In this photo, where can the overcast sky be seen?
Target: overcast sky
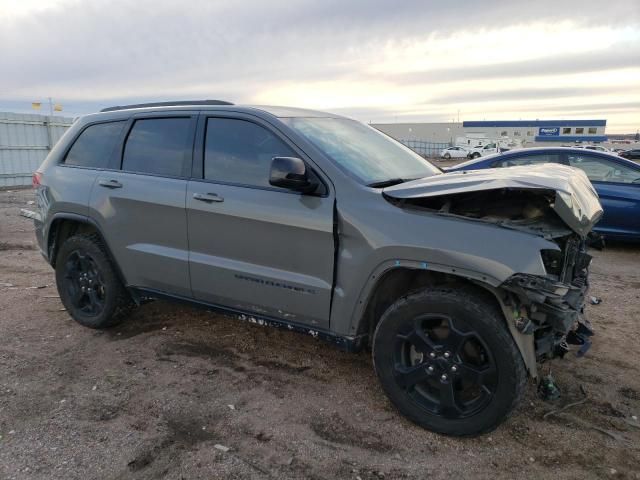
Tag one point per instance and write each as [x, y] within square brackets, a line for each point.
[379, 61]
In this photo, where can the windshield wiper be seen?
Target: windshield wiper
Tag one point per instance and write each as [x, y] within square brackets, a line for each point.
[386, 183]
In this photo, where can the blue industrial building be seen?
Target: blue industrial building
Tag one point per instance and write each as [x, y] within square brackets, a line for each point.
[563, 131]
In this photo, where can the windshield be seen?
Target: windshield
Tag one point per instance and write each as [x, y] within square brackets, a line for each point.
[371, 156]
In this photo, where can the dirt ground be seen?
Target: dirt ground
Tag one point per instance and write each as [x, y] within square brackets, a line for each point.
[158, 395]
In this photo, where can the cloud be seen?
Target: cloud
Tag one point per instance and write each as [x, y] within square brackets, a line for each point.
[352, 56]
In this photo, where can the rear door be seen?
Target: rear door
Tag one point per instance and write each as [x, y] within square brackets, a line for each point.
[618, 186]
[140, 204]
[255, 247]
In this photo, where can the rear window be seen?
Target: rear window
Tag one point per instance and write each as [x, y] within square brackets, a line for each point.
[95, 145]
[159, 146]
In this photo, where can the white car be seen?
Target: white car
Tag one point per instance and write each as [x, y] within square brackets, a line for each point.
[481, 151]
[598, 148]
[453, 152]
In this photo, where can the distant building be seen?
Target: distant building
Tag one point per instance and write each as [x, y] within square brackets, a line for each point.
[521, 132]
[541, 131]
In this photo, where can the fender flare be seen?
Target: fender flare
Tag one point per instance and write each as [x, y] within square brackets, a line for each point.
[86, 220]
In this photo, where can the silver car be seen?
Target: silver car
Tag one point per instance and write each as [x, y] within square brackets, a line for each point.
[459, 283]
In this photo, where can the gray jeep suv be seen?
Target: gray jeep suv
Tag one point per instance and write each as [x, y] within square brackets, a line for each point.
[458, 282]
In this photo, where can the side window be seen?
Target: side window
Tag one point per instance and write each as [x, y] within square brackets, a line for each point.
[95, 145]
[239, 151]
[159, 146]
[528, 160]
[603, 170]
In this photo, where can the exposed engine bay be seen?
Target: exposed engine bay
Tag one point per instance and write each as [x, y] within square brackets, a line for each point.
[529, 210]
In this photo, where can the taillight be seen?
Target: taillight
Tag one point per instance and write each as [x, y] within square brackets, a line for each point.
[36, 179]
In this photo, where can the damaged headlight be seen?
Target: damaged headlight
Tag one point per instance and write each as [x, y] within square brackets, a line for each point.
[553, 261]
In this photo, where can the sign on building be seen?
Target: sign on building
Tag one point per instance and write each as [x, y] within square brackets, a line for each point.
[549, 131]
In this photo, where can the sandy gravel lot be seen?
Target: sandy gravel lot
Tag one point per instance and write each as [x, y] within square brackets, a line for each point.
[153, 397]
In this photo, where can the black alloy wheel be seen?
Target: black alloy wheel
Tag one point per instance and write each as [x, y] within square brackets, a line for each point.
[447, 361]
[446, 368]
[84, 283]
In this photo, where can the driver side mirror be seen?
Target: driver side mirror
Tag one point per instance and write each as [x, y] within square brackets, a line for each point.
[291, 173]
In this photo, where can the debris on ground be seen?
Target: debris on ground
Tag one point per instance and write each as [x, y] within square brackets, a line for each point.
[547, 389]
[222, 448]
[568, 405]
[28, 213]
[595, 300]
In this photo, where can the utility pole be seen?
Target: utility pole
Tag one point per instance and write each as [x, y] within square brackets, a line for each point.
[49, 120]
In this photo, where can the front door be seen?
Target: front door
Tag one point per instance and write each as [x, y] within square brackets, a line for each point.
[255, 247]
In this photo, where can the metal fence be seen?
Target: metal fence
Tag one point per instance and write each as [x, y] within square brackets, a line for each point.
[426, 149]
[25, 141]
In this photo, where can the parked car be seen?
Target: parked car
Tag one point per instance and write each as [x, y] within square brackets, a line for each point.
[453, 152]
[633, 154]
[481, 151]
[616, 180]
[319, 224]
[598, 148]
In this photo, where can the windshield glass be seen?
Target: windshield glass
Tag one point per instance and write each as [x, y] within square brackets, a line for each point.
[369, 155]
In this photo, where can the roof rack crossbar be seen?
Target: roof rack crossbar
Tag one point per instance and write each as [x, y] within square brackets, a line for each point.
[166, 104]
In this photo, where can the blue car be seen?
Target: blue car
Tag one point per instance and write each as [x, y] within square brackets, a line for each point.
[616, 180]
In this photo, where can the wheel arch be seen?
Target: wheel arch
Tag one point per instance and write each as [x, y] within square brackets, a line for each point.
[399, 279]
[65, 225]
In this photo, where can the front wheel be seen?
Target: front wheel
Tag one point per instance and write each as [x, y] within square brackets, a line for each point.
[447, 156]
[447, 362]
[475, 155]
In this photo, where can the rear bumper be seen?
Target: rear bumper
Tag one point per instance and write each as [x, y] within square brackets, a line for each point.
[41, 238]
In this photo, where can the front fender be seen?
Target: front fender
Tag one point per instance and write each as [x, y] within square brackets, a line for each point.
[524, 342]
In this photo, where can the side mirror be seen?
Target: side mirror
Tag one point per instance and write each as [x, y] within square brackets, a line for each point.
[291, 173]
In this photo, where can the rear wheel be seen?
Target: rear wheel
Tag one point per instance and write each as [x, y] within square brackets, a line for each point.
[475, 155]
[88, 285]
[447, 156]
[447, 362]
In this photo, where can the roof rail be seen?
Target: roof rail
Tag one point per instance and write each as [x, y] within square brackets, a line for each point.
[166, 104]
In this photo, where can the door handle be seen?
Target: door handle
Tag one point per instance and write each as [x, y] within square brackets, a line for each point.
[110, 183]
[208, 197]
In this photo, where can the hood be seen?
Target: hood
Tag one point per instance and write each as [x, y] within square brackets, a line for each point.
[576, 201]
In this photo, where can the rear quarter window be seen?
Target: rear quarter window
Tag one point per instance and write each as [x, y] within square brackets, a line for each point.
[95, 145]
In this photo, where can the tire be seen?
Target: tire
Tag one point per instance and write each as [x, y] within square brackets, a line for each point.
[447, 362]
[475, 155]
[447, 156]
[83, 263]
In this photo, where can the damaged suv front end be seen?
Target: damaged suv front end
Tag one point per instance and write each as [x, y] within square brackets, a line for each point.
[555, 202]
[551, 307]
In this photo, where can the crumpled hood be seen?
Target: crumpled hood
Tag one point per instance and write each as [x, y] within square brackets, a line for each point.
[576, 201]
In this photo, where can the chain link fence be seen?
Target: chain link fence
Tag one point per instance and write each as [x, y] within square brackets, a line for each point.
[426, 149]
